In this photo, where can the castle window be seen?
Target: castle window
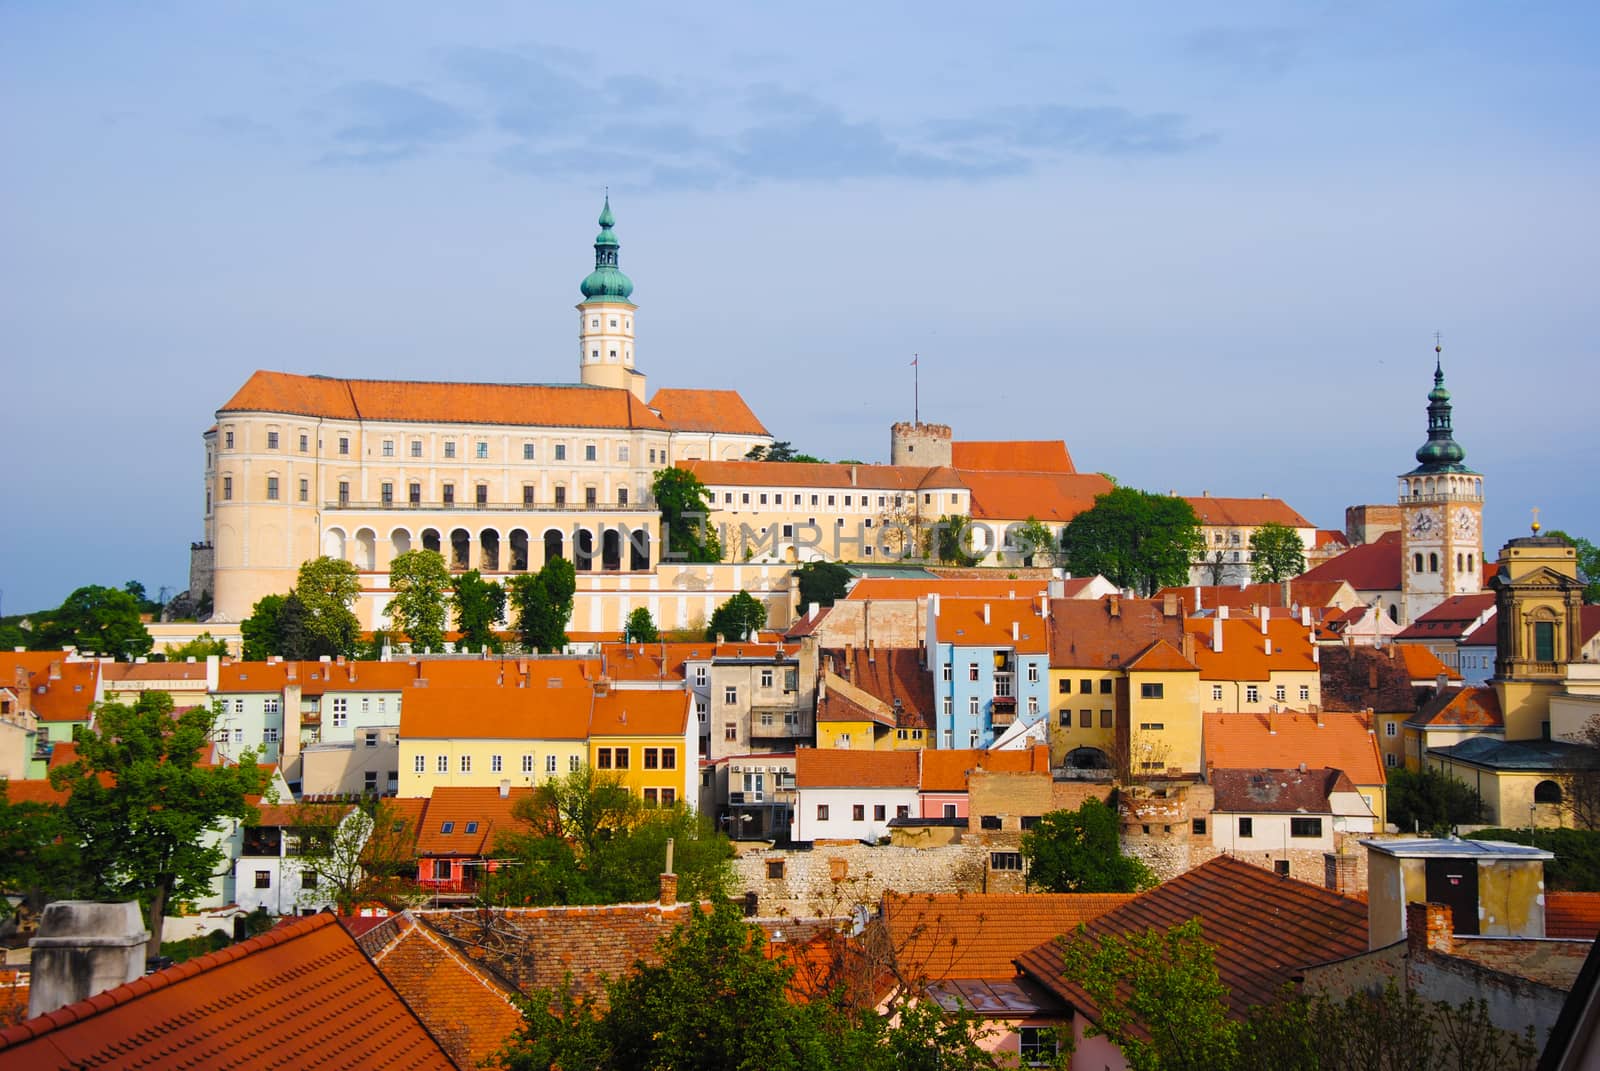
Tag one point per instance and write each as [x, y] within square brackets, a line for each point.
[622, 452]
[305, 443]
[344, 492]
[388, 448]
[622, 496]
[449, 449]
[344, 444]
[227, 440]
[414, 494]
[595, 322]
[1470, 564]
[272, 489]
[1416, 563]
[482, 449]
[590, 496]
[527, 451]
[527, 494]
[613, 321]
[613, 355]
[227, 489]
[561, 495]
[1433, 563]
[1544, 641]
[1252, 694]
[388, 494]
[482, 492]
[272, 440]
[416, 447]
[561, 451]
[449, 490]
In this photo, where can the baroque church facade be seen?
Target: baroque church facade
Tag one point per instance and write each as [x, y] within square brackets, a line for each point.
[496, 477]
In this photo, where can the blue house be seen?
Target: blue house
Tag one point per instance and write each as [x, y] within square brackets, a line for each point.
[990, 660]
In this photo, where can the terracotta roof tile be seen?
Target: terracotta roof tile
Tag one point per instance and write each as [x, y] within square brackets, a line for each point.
[153, 671]
[1244, 655]
[1162, 657]
[1371, 566]
[1470, 707]
[961, 622]
[1487, 634]
[1268, 791]
[1422, 664]
[1089, 635]
[1045, 496]
[1573, 915]
[1358, 678]
[1263, 926]
[823, 475]
[513, 404]
[555, 705]
[1245, 512]
[1047, 455]
[1449, 620]
[640, 712]
[842, 768]
[947, 771]
[1313, 593]
[888, 674]
[58, 690]
[979, 935]
[1284, 741]
[301, 995]
[706, 410]
[896, 587]
[462, 820]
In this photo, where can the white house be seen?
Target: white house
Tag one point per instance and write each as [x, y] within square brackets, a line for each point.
[851, 795]
[271, 871]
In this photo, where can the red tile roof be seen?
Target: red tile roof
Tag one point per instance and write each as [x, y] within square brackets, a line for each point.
[1488, 635]
[1372, 566]
[1284, 741]
[888, 674]
[66, 696]
[706, 410]
[1468, 707]
[961, 622]
[1089, 635]
[474, 814]
[898, 587]
[1449, 620]
[1045, 496]
[823, 475]
[1047, 455]
[1573, 915]
[543, 710]
[1244, 656]
[947, 771]
[1357, 678]
[301, 995]
[640, 712]
[1313, 593]
[1162, 657]
[1291, 791]
[515, 404]
[1263, 926]
[843, 768]
[979, 935]
[1245, 512]
[1422, 664]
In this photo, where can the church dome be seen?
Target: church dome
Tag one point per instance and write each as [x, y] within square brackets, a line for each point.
[607, 282]
[1441, 453]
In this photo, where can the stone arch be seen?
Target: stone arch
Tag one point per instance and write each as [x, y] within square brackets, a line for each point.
[460, 549]
[611, 549]
[364, 550]
[431, 540]
[583, 550]
[555, 544]
[333, 543]
[1477, 486]
[399, 542]
[518, 562]
[1547, 792]
[639, 550]
[1087, 758]
[489, 550]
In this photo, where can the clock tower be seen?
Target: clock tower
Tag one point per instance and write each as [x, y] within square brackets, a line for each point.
[1441, 507]
[605, 318]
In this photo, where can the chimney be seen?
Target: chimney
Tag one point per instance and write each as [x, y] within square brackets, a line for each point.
[934, 599]
[669, 880]
[1188, 645]
[55, 670]
[1263, 613]
[1302, 767]
[1305, 617]
[1197, 600]
[339, 660]
[1169, 605]
[1114, 605]
[1442, 681]
[505, 790]
[1016, 631]
[1272, 722]
[291, 670]
[811, 612]
[1216, 632]
[1429, 928]
[985, 613]
[1222, 610]
[1316, 655]
[1266, 646]
[84, 948]
[1316, 708]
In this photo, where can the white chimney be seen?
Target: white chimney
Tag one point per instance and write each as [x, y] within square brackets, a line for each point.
[1305, 616]
[1216, 631]
[1222, 611]
[84, 948]
[985, 613]
[505, 789]
[1016, 631]
[1262, 612]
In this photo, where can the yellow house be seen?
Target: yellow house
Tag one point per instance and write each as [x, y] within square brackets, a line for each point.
[1255, 664]
[649, 738]
[1164, 721]
[875, 699]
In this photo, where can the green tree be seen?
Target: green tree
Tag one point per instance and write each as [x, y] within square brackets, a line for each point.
[37, 864]
[781, 450]
[420, 581]
[146, 604]
[360, 854]
[1080, 851]
[1276, 553]
[1158, 996]
[952, 539]
[200, 648]
[142, 808]
[641, 627]
[296, 640]
[822, 583]
[1588, 564]
[94, 618]
[740, 616]
[685, 505]
[1134, 539]
[541, 605]
[1431, 802]
[259, 632]
[479, 605]
[327, 587]
[1033, 542]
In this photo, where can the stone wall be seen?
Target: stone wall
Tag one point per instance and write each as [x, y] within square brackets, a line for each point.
[1158, 826]
[880, 622]
[831, 879]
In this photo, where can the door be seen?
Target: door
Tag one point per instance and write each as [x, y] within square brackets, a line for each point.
[1454, 882]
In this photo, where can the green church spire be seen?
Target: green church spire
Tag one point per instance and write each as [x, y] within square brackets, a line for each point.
[1441, 453]
[606, 282]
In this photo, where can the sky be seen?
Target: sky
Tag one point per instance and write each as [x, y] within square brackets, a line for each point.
[1208, 246]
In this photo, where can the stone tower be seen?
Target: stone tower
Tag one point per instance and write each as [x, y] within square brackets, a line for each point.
[919, 444]
[1441, 506]
[605, 318]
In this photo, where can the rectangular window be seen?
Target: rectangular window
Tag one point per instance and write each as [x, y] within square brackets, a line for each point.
[1152, 726]
[1105, 686]
[305, 443]
[370, 739]
[621, 757]
[573, 762]
[269, 705]
[730, 730]
[602, 759]
[449, 492]
[1036, 1046]
[1065, 719]
[482, 494]
[272, 489]
[416, 447]
[419, 764]
[972, 671]
[1033, 704]
[879, 812]
[622, 496]
[949, 706]
[369, 781]
[1252, 694]
[1005, 861]
[227, 440]
[466, 764]
[1064, 686]
[650, 799]
[269, 736]
[822, 812]
[858, 812]
[1033, 673]
[561, 495]
[1391, 728]
[1106, 719]
[1152, 690]
[561, 451]
[344, 444]
[1197, 826]
[1305, 693]
[1216, 693]
[669, 758]
[388, 448]
[946, 671]
[527, 451]
[494, 763]
[344, 492]
[972, 705]
[1391, 760]
[1280, 693]
[442, 764]
[482, 449]
[341, 711]
[730, 694]
[549, 763]
[272, 440]
[590, 496]
[1305, 827]
[1086, 687]
[949, 739]
[766, 678]
[527, 495]
[449, 449]
[1544, 641]
[1247, 827]
[651, 758]
[589, 452]
[305, 489]
[1086, 719]
[263, 879]
[227, 488]
[387, 494]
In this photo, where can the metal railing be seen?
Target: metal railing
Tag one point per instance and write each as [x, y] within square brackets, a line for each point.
[491, 507]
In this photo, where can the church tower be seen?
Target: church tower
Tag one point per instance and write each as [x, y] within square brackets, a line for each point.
[1441, 507]
[605, 318]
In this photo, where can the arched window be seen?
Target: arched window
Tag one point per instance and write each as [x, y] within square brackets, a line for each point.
[1433, 563]
[583, 550]
[639, 550]
[1547, 792]
[1416, 562]
[489, 549]
[430, 539]
[460, 548]
[554, 544]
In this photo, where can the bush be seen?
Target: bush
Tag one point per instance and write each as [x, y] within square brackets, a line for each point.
[192, 947]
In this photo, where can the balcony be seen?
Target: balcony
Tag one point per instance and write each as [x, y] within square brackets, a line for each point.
[490, 507]
[779, 729]
[1003, 718]
[457, 886]
[1004, 685]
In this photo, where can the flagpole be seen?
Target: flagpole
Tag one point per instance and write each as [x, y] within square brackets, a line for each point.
[916, 390]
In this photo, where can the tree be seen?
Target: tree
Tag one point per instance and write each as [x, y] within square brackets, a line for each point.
[142, 808]
[1428, 801]
[1215, 565]
[781, 450]
[37, 864]
[1079, 851]
[200, 648]
[822, 583]
[1276, 553]
[737, 618]
[1134, 539]
[953, 542]
[641, 627]
[1032, 539]
[327, 587]
[420, 581]
[685, 508]
[359, 854]
[1158, 996]
[94, 618]
[259, 632]
[1588, 564]
[146, 604]
[542, 605]
[479, 605]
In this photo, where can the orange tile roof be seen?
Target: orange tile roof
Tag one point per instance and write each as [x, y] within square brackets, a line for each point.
[1357, 678]
[978, 935]
[460, 806]
[646, 661]
[1244, 654]
[899, 587]
[1016, 496]
[888, 674]
[947, 771]
[831, 476]
[1290, 791]
[555, 705]
[470, 1010]
[1313, 593]
[1422, 664]
[1573, 915]
[513, 404]
[842, 768]
[1331, 537]
[1089, 635]
[961, 623]
[300, 995]
[1162, 657]
[640, 712]
[1262, 926]
[68, 696]
[1371, 566]
[1284, 741]
[1466, 707]
[153, 671]
[298, 814]
[34, 790]
[1046, 455]
[706, 410]
[1451, 619]
[1244, 512]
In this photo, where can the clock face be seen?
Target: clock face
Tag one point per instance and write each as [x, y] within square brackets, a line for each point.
[1466, 523]
[1424, 523]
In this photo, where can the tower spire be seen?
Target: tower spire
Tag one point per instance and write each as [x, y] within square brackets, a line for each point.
[1441, 453]
[606, 282]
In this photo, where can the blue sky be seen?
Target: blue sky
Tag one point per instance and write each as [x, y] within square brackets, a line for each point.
[1206, 245]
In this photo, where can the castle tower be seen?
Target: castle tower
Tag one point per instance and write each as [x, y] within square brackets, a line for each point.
[1441, 507]
[605, 318]
[927, 445]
